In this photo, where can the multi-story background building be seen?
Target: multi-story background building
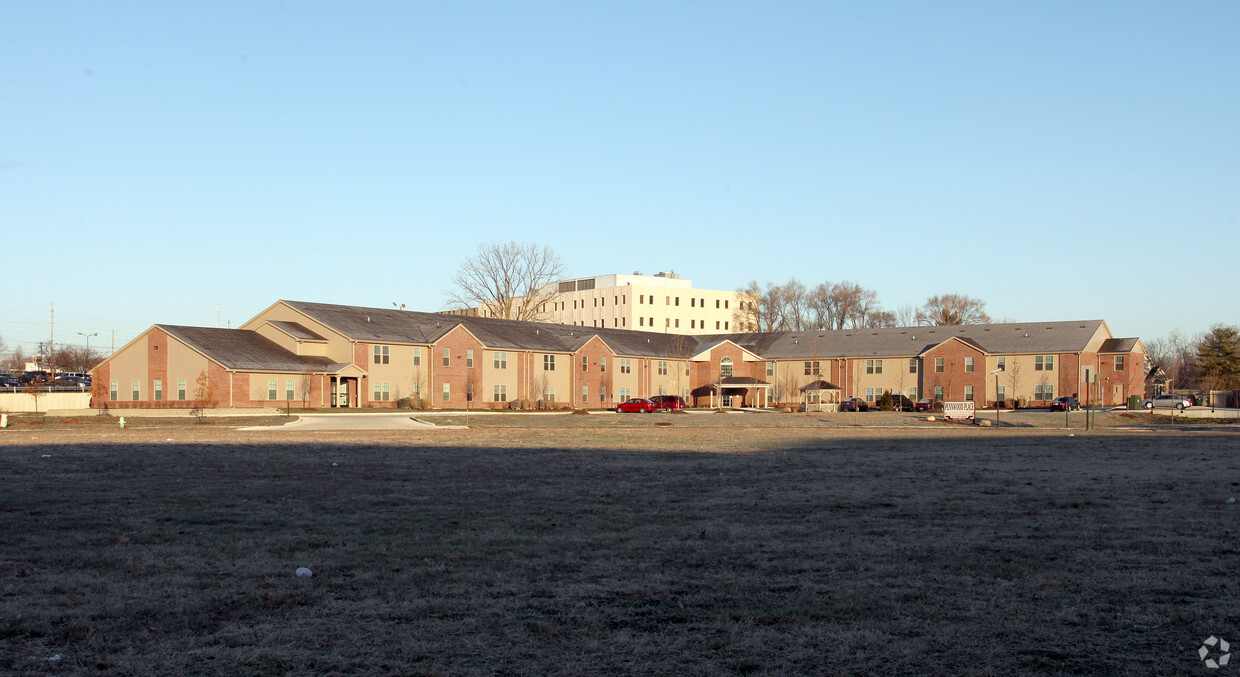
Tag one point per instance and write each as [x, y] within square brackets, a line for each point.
[663, 302]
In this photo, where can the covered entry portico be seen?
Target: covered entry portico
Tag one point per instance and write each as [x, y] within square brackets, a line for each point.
[727, 391]
[345, 387]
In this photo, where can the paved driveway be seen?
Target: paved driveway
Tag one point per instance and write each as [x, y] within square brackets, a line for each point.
[353, 422]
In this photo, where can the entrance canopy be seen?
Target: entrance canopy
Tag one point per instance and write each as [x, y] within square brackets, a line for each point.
[721, 387]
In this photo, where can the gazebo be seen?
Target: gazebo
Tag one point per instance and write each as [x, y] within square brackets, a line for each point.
[821, 395]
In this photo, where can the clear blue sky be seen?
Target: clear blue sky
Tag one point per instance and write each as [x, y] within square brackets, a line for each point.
[171, 161]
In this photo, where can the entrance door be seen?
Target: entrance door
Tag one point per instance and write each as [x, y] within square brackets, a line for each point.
[342, 393]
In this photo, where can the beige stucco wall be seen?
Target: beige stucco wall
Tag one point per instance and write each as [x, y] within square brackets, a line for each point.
[337, 348]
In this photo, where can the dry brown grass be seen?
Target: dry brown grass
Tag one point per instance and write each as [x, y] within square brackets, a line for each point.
[589, 544]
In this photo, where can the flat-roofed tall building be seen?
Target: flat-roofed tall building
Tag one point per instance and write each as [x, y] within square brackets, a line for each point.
[663, 302]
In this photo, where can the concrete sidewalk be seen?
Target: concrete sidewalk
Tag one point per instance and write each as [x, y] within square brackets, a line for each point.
[401, 421]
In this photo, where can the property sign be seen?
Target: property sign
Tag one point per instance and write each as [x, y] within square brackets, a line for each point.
[958, 411]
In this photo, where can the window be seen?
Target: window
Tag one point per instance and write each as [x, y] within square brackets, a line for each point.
[725, 304]
[602, 393]
[716, 303]
[912, 393]
[381, 354]
[725, 325]
[501, 361]
[290, 390]
[417, 388]
[271, 389]
[447, 392]
[938, 365]
[469, 359]
[383, 391]
[662, 367]
[113, 388]
[1043, 362]
[417, 356]
[549, 393]
[585, 363]
[968, 393]
[137, 390]
[641, 298]
[678, 323]
[1001, 393]
[811, 368]
[678, 300]
[912, 365]
[938, 393]
[652, 321]
[1043, 392]
[180, 389]
[641, 321]
[447, 357]
[686, 368]
[873, 394]
[662, 392]
[548, 362]
[716, 324]
[873, 366]
[968, 365]
[770, 369]
[1119, 363]
[1001, 363]
[602, 363]
[667, 300]
[585, 393]
[157, 392]
[469, 392]
[625, 393]
[626, 366]
[692, 303]
[500, 393]
[725, 368]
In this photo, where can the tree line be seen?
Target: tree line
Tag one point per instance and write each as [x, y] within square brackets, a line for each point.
[1207, 361]
[793, 306]
[66, 357]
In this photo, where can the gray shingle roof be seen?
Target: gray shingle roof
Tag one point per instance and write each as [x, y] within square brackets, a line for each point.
[246, 350]
[296, 330]
[389, 325]
[1118, 345]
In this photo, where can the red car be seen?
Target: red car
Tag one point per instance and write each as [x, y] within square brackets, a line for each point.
[637, 404]
[669, 401]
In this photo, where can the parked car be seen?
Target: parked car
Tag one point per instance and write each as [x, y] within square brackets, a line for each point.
[901, 403]
[74, 381]
[37, 376]
[1066, 404]
[669, 401]
[854, 404]
[8, 381]
[636, 404]
[1168, 402]
[924, 404]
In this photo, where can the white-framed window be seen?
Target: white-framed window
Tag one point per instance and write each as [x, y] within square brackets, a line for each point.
[469, 358]
[1119, 363]
[447, 392]
[549, 393]
[872, 394]
[585, 363]
[1001, 393]
[1043, 362]
[602, 393]
[113, 391]
[912, 393]
[968, 393]
[469, 391]
[602, 363]
[500, 393]
[626, 365]
[938, 365]
[417, 356]
[725, 368]
[157, 390]
[501, 362]
[912, 365]
[290, 390]
[938, 393]
[1001, 363]
[381, 354]
[661, 365]
[271, 389]
[180, 389]
[625, 394]
[812, 368]
[548, 362]
[968, 365]
[641, 321]
[873, 366]
[137, 390]
[382, 391]
[447, 357]
[585, 393]
[662, 391]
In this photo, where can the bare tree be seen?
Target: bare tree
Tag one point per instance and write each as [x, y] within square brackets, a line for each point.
[1013, 372]
[305, 383]
[1176, 354]
[509, 280]
[204, 394]
[953, 309]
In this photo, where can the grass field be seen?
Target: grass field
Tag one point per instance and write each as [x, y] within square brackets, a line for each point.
[634, 545]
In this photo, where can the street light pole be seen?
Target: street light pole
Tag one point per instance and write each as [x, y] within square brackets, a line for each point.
[997, 403]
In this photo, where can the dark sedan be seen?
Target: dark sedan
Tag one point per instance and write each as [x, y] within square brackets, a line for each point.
[854, 404]
[1066, 404]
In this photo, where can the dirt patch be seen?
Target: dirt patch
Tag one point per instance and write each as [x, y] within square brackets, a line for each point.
[547, 547]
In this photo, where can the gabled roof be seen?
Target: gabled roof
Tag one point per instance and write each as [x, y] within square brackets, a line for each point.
[389, 325]
[247, 350]
[296, 331]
